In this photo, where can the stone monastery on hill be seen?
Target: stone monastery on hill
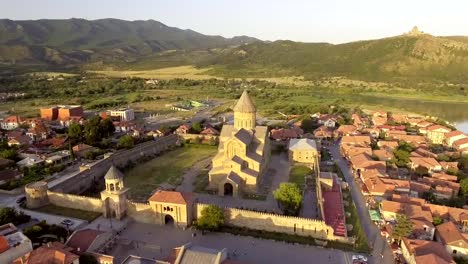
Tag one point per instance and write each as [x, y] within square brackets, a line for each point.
[243, 153]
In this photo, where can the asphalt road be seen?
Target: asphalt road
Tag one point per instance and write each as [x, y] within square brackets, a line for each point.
[381, 250]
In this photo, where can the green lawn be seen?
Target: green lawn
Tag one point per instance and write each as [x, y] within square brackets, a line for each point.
[168, 168]
[68, 212]
[298, 173]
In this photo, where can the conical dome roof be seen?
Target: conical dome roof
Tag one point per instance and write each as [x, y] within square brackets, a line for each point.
[245, 104]
[113, 174]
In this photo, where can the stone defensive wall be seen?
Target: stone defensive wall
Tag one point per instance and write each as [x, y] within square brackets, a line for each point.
[83, 180]
[75, 201]
[276, 223]
[194, 136]
[141, 212]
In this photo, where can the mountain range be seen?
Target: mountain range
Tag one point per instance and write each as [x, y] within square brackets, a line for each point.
[152, 44]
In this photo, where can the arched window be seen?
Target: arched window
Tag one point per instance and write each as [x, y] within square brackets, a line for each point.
[111, 187]
[117, 187]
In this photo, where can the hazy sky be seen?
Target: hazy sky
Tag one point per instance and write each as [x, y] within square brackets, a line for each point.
[300, 20]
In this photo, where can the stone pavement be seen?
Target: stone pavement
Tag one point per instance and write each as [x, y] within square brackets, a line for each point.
[309, 204]
[156, 242]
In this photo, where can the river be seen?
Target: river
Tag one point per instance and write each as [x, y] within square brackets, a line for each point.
[454, 112]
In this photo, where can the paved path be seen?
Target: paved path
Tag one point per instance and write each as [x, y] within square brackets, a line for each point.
[152, 241]
[380, 246]
[309, 204]
[191, 174]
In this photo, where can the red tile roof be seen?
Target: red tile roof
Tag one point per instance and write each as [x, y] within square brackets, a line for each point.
[171, 197]
[3, 244]
[437, 127]
[82, 239]
[55, 252]
[333, 209]
[453, 134]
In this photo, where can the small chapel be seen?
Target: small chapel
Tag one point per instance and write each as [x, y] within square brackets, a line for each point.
[243, 152]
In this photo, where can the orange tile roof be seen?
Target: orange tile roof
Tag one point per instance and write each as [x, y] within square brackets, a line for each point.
[412, 211]
[438, 127]
[407, 199]
[453, 134]
[3, 244]
[424, 162]
[356, 140]
[171, 197]
[452, 213]
[82, 239]
[460, 142]
[423, 249]
[55, 252]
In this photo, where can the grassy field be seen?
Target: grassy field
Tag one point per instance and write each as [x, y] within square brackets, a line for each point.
[168, 168]
[187, 71]
[68, 212]
[298, 173]
[201, 182]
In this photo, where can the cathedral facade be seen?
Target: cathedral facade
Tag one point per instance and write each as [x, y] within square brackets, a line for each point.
[243, 152]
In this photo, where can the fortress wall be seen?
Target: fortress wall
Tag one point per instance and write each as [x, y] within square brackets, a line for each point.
[205, 138]
[83, 180]
[274, 223]
[141, 212]
[75, 201]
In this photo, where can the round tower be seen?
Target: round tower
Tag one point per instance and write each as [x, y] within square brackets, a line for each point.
[36, 194]
[245, 113]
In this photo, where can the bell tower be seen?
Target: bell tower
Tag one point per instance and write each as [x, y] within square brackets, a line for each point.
[245, 113]
[115, 195]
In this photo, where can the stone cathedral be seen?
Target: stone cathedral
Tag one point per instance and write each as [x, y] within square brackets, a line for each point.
[243, 153]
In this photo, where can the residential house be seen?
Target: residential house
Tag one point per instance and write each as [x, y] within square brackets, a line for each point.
[379, 118]
[363, 162]
[123, 114]
[445, 177]
[22, 140]
[81, 149]
[124, 126]
[423, 125]
[14, 245]
[398, 118]
[346, 130]
[423, 152]
[10, 123]
[183, 129]
[189, 253]
[283, 134]
[449, 165]
[327, 120]
[417, 189]
[7, 175]
[89, 241]
[383, 154]
[443, 189]
[59, 157]
[436, 133]
[454, 241]
[156, 133]
[38, 132]
[323, 132]
[380, 186]
[461, 145]
[31, 160]
[424, 252]
[457, 215]
[67, 121]
[350, 151]
[412, 139]
[453, 136]
[362, 141]
[414, 120]
[210, 131]
[55, 252]
[431, 164]
[390, 145]
[357, 121]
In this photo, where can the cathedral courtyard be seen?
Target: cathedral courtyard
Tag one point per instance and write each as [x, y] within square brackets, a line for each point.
[156, 242]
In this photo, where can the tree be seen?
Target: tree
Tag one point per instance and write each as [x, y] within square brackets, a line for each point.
[10, 215]
[464, 186]
[92, 131]
[196, 127]
[126, 142]
[464, 162]
[308, 125]
[421, 171]
[403, 227]
[106, 127]
[212, 218]
[9, 154]
[75, 131]
[290, 197]
[436, 220]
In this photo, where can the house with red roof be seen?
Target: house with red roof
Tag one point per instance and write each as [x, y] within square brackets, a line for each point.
[183, 129]
[451, 137]
[424, 252]
[436, 133]
[11, 122]
[333, 206]
[210, 131]
[461, 145]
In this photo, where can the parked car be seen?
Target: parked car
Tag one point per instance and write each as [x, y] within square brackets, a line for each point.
[20, 200]
[67, 222]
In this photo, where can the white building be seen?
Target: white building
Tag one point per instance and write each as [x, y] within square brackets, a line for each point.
[13, 245]
[125, 114]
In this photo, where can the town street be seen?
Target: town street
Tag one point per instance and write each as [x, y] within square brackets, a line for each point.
[381, 250]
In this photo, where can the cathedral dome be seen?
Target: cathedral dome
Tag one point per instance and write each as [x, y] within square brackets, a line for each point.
[245, 104]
